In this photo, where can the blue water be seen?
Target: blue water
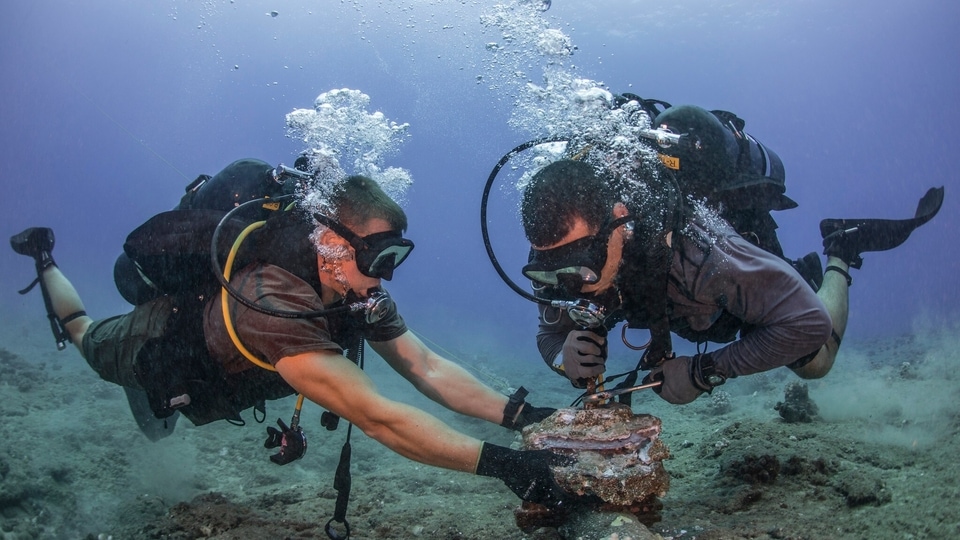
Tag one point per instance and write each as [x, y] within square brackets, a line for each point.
[110, 107]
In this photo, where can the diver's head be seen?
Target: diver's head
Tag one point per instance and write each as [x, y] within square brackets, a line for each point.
[576, 229]
[362, 242]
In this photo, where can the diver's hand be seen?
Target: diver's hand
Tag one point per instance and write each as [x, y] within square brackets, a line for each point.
[677, 384]
[531, 415]
[584, 356]
[526, 472]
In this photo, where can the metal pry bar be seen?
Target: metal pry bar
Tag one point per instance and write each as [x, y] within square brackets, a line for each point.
[609, 394]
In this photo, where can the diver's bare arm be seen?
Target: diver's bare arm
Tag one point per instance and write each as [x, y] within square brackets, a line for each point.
[440, 379]
[338, 385]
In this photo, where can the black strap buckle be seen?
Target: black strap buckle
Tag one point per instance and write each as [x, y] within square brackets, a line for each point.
[512, 406]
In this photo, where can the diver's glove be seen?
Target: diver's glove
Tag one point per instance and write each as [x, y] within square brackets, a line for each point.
[526, 472]
[531, 415]
[583, 357]
[528, 414]
[684, 378]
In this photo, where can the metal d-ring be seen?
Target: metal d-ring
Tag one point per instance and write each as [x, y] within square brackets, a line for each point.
[623, 337]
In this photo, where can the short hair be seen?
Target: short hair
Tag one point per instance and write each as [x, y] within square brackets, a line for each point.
[358, 199]
[558, 193]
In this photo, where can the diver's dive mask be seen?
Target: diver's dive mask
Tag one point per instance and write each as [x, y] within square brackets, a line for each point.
[377, 254]
[571, 266]
[562, 272]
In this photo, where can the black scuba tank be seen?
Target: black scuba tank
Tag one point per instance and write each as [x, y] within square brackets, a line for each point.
[241, 181]
[170, 252]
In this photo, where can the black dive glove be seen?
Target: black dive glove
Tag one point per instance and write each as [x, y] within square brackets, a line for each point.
[527, 415]
[684, 378]
[526, 472]
[531, 415]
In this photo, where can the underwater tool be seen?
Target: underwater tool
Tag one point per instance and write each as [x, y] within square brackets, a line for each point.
[610, 394]
[291, 440]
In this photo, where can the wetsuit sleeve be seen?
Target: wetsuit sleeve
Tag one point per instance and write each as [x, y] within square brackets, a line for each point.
[786, 318]
[552, 332]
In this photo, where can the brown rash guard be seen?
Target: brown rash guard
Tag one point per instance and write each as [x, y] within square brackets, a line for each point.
[271, 338]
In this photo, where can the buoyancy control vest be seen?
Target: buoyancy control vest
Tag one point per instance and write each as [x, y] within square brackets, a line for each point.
[714, 159]
[170, 252]
[169, 255]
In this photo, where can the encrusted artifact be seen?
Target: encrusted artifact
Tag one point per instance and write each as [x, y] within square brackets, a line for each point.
[618, 461]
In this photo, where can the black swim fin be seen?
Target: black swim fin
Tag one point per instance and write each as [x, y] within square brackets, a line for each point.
[848, 238]
[151, 426]
[35, 242]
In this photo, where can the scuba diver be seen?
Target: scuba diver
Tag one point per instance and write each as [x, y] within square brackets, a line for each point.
[219, 329]
[604, 252]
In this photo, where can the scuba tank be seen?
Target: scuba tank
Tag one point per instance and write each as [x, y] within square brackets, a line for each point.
[170, 252]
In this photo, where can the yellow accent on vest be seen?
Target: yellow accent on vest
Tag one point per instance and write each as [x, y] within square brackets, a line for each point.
[224, 295]
[670, 162]
[228, 323]
[582, 153]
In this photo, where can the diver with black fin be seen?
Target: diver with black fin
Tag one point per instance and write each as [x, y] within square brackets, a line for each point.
[288, 309]
[38, 242]
[677, 238]
[844, 241]
[60, 298]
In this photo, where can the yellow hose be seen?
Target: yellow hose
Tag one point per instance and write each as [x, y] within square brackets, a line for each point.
[228, 322]
[224, 295]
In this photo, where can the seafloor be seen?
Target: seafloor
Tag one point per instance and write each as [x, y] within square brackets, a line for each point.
[880, 460]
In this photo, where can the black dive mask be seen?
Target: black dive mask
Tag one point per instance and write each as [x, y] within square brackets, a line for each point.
[571, 266]
[377, 254]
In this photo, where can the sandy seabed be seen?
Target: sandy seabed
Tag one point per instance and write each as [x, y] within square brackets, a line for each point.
[880, 460]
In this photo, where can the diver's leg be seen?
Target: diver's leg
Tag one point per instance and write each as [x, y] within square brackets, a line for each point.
[58, 293]
[113, 344]
[844, 240]
[112, 347]
[66, 303]
[835, 294]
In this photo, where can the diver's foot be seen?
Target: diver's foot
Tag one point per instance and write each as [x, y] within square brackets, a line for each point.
[844, 244]
[846, 239]
[35, 242]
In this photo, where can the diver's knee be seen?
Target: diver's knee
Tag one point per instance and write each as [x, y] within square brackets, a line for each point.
[811, 371]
